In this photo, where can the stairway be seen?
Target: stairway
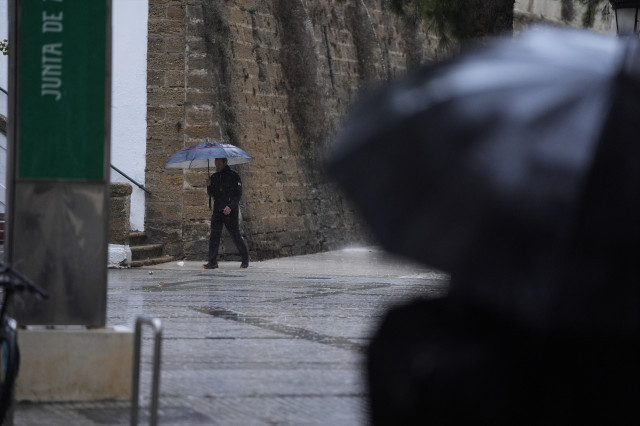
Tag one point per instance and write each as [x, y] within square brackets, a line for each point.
[144, 254]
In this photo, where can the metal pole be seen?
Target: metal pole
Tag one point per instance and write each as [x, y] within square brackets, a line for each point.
[155, 385]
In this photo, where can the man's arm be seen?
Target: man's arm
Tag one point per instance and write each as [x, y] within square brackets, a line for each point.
[236, 192]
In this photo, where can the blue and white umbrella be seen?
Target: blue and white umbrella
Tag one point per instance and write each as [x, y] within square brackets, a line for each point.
[204, 154]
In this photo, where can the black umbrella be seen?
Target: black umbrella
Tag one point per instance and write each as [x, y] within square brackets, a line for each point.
[514, 168]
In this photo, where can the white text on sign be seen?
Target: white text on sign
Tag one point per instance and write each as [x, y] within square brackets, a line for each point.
[51, 75]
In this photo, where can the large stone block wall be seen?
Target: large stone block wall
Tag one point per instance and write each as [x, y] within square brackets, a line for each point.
[275, 77]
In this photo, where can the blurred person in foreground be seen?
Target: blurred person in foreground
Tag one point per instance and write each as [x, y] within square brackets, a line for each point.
[523, 162]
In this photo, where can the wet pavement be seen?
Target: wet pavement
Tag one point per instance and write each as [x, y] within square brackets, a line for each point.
[279, 343]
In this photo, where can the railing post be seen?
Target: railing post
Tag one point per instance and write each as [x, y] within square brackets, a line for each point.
[155, 385]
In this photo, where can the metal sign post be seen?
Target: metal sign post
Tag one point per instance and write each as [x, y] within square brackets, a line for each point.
[59, 156]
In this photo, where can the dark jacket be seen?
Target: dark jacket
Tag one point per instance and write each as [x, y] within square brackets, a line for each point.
[226, 189]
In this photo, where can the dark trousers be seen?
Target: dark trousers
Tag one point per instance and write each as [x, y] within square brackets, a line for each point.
[231, 222]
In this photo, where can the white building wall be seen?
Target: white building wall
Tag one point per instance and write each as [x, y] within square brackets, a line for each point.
[550, 11]
[128, 97]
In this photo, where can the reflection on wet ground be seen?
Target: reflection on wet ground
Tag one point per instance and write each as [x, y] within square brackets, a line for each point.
[279, 343]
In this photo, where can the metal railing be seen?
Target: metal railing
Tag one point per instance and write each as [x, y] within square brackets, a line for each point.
[131, 179]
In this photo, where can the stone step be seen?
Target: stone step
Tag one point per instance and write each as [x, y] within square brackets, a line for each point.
[147, 251]
[137, 238]
[143, 253]
[151, 261]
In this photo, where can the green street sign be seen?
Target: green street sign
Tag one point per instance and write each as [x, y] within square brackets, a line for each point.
[62, 81]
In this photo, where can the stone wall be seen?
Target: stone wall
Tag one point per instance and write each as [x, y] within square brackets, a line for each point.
[275, 77]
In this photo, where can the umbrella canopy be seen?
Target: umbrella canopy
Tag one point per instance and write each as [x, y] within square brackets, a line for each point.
[203, 154]
[515, 168]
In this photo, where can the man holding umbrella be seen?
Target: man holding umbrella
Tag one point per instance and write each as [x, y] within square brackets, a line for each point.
[224, 186]
[226, 189]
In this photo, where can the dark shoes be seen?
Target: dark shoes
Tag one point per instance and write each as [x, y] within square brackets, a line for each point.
[244, 265]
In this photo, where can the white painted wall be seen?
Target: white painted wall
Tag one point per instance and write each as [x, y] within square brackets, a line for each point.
[129, 97]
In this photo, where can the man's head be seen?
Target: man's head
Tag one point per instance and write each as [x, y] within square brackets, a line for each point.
[220, 163]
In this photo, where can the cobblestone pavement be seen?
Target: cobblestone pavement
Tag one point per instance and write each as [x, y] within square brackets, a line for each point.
[280, 343]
